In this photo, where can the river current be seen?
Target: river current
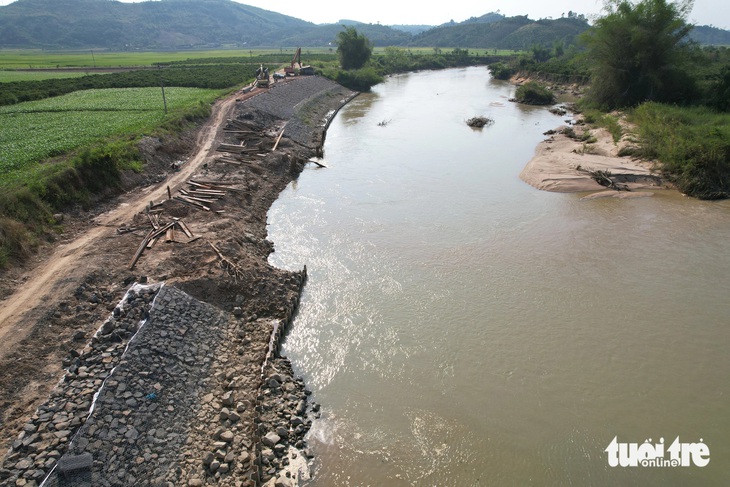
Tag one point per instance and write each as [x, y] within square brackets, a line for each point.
[460, 327]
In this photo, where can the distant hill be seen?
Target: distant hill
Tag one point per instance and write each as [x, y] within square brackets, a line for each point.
[518, 32]
[324, 35]
[411, 29]
[201, 24]
[165, 24]
[485, 19]
[712, 36]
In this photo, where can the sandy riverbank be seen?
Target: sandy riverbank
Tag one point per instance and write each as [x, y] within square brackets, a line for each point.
[563, 163]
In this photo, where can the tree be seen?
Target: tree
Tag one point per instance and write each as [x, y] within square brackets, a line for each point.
[639, 52]
[353, 49]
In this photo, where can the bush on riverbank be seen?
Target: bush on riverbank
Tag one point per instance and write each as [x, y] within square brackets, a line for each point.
[355, 79]
[533, 93]
[693, 144]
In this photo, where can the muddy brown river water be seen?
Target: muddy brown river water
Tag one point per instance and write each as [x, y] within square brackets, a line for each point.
[462, 328]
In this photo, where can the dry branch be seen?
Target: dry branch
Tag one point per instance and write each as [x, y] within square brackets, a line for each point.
[227, 265]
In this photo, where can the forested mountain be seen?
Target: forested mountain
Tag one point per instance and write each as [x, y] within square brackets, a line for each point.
[706, 35]
[181, 24]
[507, 33]
[163, 24]
[323, 35]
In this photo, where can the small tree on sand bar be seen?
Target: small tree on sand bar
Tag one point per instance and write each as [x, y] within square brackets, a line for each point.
[353, 49]
[639, 51]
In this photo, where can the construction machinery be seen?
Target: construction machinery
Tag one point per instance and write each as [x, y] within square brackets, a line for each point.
[292, 70]
[262, 77]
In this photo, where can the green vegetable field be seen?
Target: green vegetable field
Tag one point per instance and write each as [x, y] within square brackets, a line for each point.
[33, 131]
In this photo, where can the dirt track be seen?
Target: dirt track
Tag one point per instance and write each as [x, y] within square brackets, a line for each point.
[64, 263]
[64, 297]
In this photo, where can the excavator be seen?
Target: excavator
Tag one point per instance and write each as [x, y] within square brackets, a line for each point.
[262, 77]
[297, 59]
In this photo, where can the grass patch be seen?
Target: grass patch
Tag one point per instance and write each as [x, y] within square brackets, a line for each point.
[605, 120]
[693, 145]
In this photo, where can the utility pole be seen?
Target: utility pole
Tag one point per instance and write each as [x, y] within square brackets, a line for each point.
[162, 85]
[93, 58]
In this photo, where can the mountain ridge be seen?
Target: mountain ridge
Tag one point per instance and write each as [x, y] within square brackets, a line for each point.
[202, 24]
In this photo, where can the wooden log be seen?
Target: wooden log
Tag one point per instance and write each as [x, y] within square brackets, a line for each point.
[278, 139]
[200, 200]
[162, 230]
[222, 185]
[208, 192]
[199, 185]
[213, 183]
[315, 161]
[141, 248]
[191, 202]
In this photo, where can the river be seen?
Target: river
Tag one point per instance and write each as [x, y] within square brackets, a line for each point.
[460, 327]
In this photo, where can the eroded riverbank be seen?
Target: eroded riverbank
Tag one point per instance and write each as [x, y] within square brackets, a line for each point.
[224, 419]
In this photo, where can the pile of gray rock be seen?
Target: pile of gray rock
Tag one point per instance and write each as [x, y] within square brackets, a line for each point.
[45, 438]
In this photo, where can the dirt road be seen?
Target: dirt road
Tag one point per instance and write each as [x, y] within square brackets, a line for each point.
[56, 274]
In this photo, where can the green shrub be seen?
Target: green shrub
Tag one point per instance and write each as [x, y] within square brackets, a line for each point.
[501, 71]
[359, 79]
[533, 93]
[607, 121]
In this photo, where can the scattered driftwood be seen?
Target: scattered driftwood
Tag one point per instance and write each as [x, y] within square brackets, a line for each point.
[157, 231]
[479, 122]
[604, 178]
[199, 194]
[227, 265]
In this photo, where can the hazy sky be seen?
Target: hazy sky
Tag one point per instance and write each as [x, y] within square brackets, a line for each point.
[705, 12]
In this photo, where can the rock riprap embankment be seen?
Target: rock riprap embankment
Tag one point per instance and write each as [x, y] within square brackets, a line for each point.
[170, 391]
[183, 385]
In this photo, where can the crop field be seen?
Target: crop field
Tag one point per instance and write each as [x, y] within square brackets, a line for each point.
[7, 76]
[33, 131]
[34, 59]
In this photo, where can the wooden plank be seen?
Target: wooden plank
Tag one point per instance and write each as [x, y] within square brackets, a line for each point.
[199, 185]
[141, 248]
[162, 230]
[191, 202]
[278, 139]
[185, 228]
[200, 200]
[208, 192]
